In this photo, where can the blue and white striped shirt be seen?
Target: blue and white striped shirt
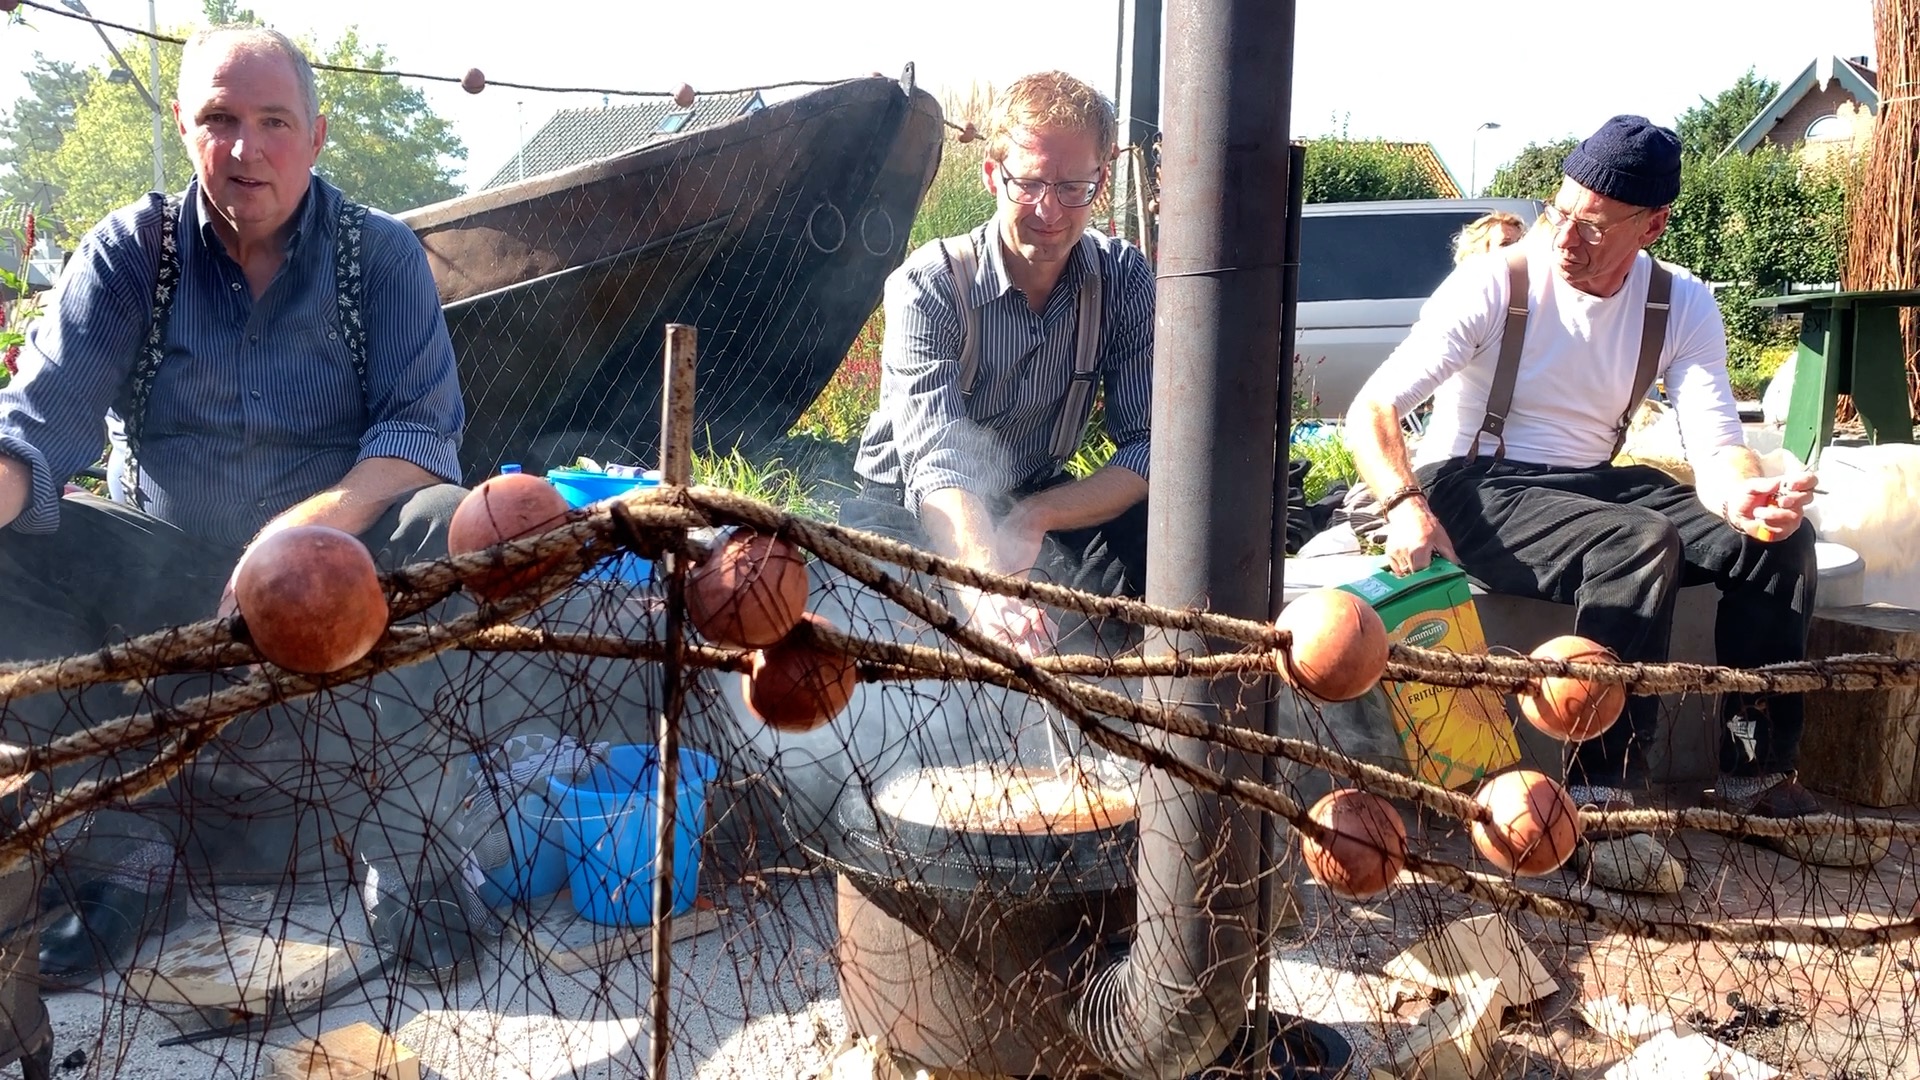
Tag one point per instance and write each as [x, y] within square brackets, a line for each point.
[256, 406]
[926, 435]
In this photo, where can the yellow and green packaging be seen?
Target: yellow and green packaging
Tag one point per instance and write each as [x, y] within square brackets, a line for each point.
[1452, 736]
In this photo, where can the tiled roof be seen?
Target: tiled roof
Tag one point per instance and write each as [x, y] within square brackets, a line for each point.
[572, 136]
[1445, 186]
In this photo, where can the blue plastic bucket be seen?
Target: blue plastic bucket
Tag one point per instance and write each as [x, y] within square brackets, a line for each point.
[609, 824]
[538, 864]
[582, 488]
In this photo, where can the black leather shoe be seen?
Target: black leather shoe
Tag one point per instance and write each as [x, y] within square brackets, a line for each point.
[100, 933]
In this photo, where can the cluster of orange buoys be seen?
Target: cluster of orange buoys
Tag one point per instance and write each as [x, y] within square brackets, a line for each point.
[312, 603]
[1528, 826]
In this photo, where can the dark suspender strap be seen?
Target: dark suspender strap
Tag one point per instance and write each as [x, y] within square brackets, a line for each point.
[1070, 425]
[146, 363]
[1507, 367]
[349, 284]
[1653, 337]
[963, 262]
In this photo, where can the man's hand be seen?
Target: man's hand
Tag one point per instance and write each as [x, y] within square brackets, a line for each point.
[1026, 627]
[1017, 541]
[1414, 537]
[1770, 508]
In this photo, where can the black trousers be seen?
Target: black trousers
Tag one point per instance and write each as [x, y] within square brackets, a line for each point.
[111, 572]
[1618, 544]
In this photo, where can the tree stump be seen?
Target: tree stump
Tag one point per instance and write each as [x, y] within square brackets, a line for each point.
[1864, 745]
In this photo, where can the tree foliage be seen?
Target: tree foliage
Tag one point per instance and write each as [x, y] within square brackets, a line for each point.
[1534, 173]
[385, 146]
[1757, 223]
[1365, 170]
[37, 122]
[1709, 127]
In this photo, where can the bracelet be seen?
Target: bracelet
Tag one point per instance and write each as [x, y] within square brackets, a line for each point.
[1411, 491]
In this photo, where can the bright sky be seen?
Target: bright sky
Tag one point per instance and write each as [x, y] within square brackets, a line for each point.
[1396, 69]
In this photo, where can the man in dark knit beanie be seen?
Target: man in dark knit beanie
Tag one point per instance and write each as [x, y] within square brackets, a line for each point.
[1537, 357]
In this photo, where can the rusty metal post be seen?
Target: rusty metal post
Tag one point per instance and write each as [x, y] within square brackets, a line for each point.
[1180, 996]
[676, 470]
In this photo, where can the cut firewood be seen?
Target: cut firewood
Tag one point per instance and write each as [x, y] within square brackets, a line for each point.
[356, 1052]
[1470, 951]
[1454, 1040]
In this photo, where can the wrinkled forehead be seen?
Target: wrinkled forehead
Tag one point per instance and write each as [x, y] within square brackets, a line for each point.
[1583, 202]
[1067, 151]
[262, 74]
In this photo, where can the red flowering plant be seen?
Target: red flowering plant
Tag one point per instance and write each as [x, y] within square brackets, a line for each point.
[20, 308]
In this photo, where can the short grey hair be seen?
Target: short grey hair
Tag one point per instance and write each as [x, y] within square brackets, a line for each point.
[255, 39]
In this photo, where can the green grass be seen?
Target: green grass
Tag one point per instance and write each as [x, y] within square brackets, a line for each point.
[770, 481]
[1332, 462]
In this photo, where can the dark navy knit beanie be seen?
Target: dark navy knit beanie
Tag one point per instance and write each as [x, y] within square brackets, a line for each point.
[1630, 159]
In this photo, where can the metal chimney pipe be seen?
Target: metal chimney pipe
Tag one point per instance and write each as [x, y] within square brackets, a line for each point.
[1172, 1005]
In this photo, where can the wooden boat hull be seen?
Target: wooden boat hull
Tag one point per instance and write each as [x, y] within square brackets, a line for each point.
[772, 233]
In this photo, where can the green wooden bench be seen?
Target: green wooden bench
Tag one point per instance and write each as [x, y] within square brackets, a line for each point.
[1849, 344]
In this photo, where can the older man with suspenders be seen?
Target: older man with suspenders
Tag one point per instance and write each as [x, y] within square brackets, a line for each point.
[1537, 356]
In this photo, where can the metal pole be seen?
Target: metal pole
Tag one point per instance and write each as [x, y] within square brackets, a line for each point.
[159, 122]
[1138, 101]
[676, 470]
[1221, 269]
[1279, 904]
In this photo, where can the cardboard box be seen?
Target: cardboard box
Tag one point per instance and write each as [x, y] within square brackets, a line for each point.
[1452, 736]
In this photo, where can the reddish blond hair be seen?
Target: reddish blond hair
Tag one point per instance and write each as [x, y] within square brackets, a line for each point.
[1051, 101]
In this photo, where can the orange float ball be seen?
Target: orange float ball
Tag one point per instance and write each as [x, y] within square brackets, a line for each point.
[1568, 708]
[1339, 648]
[683, 96]
[1534, 824]
[1368, 847]
[505, 507]
[796, 685]
[749, 593]
[311, 598]
[473, 81]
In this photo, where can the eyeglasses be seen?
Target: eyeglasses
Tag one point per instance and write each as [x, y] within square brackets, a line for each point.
[1589, 232]
[1072, 194]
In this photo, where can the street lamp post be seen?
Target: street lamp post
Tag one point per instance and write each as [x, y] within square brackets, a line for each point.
[1473, 157]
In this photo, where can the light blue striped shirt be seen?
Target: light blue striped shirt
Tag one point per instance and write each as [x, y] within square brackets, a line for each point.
[256, 406]
[926, 436]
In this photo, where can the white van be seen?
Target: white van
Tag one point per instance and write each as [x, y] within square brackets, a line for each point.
[1365, 269]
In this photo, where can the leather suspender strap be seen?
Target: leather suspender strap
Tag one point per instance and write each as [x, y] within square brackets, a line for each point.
[1653, 336]
[963, 262]
[1507, 368]
[1072, 421]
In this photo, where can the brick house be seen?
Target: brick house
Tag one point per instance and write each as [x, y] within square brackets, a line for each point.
[1827, 109]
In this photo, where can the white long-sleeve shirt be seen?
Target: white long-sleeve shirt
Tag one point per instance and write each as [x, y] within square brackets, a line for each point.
[1576, 366]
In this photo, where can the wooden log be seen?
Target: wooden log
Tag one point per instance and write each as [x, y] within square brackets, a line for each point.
[1864, 746]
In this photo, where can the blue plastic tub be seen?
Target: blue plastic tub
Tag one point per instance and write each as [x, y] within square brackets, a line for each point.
[582, 488]
[538, 864]
[609, 824]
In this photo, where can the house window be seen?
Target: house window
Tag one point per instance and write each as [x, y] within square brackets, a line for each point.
[1829, 127]
[673, 122]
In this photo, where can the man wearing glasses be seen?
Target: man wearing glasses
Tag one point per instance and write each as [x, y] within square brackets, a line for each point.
[996, 343]
[1514, 481]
